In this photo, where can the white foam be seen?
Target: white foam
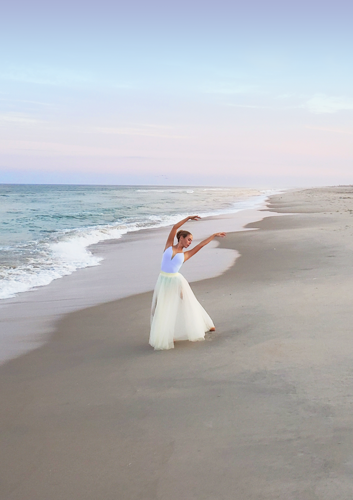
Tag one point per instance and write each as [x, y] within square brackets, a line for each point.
[71, 250]
[188, 191]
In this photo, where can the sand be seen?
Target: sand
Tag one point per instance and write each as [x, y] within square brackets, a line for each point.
[130, 266]
[261, 410]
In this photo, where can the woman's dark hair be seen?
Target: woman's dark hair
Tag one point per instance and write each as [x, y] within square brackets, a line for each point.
[182, 233]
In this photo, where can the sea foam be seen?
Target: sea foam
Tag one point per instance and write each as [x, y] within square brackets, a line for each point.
[59, 251]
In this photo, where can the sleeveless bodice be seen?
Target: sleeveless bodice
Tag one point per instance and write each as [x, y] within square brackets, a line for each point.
[169, 264]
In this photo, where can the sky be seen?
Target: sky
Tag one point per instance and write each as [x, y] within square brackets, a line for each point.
[255, 93]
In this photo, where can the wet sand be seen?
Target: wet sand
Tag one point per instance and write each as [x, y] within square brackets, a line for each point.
[130, 266]
[261, 410]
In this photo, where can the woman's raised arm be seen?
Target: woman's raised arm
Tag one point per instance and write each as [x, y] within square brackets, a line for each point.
[175, 228]
[190, 253]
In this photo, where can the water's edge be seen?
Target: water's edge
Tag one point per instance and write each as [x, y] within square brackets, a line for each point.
[129, 266]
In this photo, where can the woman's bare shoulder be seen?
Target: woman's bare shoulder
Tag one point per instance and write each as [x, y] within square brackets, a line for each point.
[167, 246]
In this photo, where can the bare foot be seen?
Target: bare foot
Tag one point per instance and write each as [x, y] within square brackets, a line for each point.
[213, 329]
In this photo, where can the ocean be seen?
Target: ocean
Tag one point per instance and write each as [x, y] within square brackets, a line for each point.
[46, 230]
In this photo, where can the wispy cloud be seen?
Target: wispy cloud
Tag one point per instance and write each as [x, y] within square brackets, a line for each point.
[24, 101]
[285, 96]
[331, 130]
[230, 89]
[42, 76]
[56, 76]
[250, 106]
[322, 103]
[18, 118]
[148, 131]
[37, 148]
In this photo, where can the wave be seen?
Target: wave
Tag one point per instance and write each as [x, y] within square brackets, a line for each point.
[217, 189]
[52, 259]
[188, 191]
[55, 259]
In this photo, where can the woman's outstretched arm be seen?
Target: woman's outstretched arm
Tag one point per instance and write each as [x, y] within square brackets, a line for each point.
[190, 253]
[175, 228]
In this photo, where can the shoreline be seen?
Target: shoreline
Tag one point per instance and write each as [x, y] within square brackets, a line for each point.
[29, 319]
[260, 410]
[72, 253]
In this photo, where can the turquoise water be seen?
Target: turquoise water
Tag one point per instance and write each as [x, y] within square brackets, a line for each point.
[46, 231]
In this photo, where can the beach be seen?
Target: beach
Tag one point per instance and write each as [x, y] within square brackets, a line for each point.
[262, 409]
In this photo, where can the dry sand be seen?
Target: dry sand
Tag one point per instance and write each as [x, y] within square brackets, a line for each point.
[261, 410]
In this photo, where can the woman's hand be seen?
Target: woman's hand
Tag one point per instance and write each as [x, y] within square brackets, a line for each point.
[170, 240]
[219, 235]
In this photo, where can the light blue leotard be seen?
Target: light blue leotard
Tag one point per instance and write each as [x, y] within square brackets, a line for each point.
[169, 264]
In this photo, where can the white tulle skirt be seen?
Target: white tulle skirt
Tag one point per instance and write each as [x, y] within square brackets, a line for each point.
[176, 313]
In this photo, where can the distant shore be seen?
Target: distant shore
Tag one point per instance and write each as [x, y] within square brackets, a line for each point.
[261, 410]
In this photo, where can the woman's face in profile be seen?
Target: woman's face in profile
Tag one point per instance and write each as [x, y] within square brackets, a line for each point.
[186, 242]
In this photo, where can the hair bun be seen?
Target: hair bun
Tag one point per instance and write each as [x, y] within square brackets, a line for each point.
[182, 233]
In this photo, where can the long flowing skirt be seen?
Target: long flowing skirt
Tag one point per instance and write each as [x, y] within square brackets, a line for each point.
[176, 313]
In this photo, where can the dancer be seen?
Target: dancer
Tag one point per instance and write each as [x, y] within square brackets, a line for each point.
[176, 313]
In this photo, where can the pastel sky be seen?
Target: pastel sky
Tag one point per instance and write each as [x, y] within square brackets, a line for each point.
[188, 92]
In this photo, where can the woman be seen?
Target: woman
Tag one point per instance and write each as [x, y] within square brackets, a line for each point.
[176, 313]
